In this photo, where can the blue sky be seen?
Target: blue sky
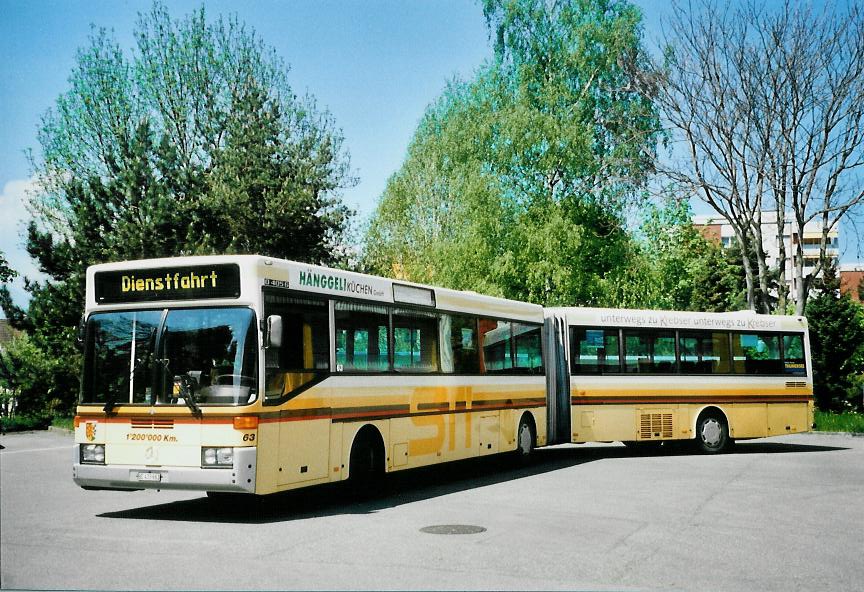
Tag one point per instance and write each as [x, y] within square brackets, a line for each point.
[374, 64]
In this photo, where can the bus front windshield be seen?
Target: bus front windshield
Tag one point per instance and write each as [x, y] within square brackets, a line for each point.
[195, 356]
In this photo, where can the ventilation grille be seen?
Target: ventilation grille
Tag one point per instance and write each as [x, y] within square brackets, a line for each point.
[152, 423]
[655, 426]
[796, 384]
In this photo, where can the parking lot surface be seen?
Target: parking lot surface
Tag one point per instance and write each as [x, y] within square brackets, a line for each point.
[782, 513]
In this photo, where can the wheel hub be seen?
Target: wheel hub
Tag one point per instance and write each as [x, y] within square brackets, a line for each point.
[712, 432]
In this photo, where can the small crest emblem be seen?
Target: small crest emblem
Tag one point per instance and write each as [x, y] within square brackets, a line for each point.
[90, 430]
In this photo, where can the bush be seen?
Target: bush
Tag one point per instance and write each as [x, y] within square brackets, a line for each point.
[23, 423]
[66, 423]
[837, 343]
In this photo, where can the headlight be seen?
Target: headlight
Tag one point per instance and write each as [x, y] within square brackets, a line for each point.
[217, 457]
[93, 454]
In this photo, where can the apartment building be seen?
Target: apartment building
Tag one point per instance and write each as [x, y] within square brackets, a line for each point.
[716, 228]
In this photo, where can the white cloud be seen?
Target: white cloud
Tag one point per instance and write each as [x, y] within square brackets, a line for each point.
[13, 209]
[13, 222]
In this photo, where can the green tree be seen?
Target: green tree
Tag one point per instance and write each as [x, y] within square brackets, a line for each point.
[440, 219]
[259, 184]
[837, 343]
[515, 183]
[6, 272]
[688, 271]
[28, 373]
[194, 143]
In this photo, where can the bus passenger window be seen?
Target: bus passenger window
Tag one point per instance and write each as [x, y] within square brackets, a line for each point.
[415, 341]
[459, 351]
[756, 353]
[793, 355]
[305, 351]
[594, 351]
[704, 353]
[361, 338]
[495, 342]
[649, 352]
[689, 347]
[529, 353]
[716, 350]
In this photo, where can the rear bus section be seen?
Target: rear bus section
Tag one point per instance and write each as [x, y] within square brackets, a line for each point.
[645, 377]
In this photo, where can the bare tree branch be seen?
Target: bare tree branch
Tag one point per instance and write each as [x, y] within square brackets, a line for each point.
[770, 105]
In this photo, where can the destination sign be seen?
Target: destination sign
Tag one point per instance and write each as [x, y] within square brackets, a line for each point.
[168, 283]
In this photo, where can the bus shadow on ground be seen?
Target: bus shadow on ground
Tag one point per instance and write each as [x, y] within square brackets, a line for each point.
[412, 486]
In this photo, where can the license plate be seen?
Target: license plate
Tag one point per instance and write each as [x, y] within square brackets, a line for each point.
[150, 476]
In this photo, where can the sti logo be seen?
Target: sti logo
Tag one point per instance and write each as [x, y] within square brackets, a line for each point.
[90, 430]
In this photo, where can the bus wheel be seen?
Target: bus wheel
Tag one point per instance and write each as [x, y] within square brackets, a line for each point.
[712, 434]
[366, 465]
[525, 440]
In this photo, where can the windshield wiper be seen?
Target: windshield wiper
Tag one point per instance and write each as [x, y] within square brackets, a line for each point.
[187, 389]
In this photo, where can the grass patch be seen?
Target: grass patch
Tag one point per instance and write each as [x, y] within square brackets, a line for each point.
[840, 422]
[66, 423]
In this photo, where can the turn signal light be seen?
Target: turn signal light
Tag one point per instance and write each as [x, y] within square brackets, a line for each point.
[246, 423]
[77, 421]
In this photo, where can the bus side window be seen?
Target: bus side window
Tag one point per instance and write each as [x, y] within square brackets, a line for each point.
[362, 338]
[688, 346]
[415, 341]
[793, 355]
[704, 353]
[495, 340]
[716, 350]
[649, 351]
[305, 351]
[594, 350]
[756, 353]
[529, 354]
[459, 351]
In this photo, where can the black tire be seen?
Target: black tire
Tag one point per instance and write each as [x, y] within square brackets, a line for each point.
[366, 467]
[526, 440]
[712, 434]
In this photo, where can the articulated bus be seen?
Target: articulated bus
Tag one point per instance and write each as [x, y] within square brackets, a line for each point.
[254, 375]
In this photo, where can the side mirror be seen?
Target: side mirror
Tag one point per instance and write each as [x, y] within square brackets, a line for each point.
[273, 337]
[81, 333]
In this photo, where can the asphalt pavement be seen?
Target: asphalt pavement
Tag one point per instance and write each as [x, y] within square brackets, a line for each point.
[782, 513]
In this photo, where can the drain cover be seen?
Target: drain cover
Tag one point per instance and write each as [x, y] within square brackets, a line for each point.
[452, 529]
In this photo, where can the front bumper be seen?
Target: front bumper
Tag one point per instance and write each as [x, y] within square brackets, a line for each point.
[239, 478]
